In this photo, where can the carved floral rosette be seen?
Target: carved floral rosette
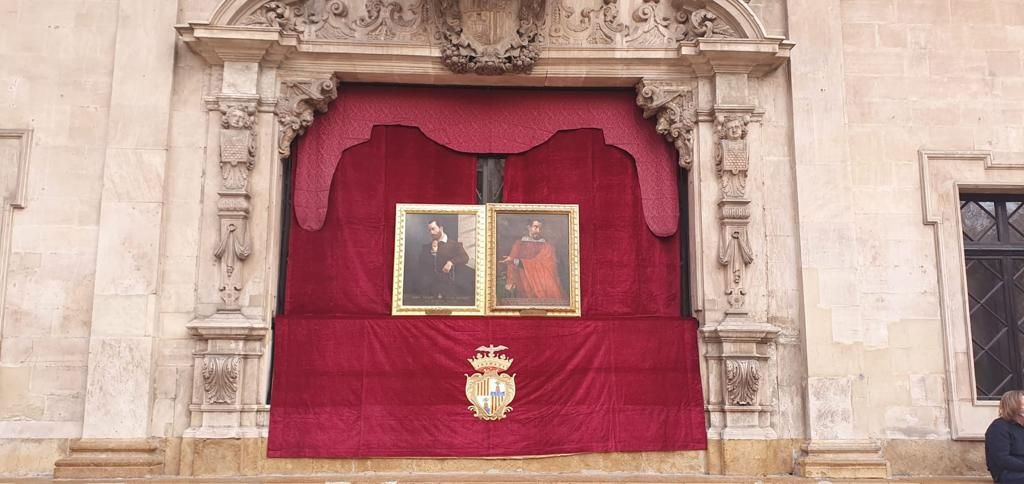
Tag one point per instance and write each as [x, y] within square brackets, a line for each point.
[490, 37]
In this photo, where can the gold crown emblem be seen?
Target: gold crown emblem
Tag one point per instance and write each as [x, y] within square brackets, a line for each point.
[491, 361]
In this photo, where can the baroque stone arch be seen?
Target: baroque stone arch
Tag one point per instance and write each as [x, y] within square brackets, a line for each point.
[735, 17]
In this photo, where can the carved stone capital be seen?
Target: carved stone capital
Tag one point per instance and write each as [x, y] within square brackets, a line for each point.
[490, 37]
[675, 110]
[298, 102]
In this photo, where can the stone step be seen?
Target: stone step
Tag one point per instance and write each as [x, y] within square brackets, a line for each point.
[394, 478]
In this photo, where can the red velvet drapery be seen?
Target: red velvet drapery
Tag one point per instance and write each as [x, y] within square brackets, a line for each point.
[486, 121]
[350, 381]
[345, 267]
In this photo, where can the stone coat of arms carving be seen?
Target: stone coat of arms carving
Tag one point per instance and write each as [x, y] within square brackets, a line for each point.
[490, 36]
[490, 390]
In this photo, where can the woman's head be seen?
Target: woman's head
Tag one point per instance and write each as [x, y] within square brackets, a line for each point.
[1011, 406]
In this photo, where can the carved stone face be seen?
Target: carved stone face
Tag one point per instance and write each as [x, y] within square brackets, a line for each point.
[734, 129]
[236, 118]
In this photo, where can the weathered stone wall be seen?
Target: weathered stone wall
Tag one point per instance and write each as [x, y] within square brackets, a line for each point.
[56, 72]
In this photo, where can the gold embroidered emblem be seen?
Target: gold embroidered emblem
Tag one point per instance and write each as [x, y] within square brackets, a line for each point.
[490, 390]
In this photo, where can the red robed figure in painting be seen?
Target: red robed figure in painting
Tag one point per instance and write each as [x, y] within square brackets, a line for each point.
[532, 268]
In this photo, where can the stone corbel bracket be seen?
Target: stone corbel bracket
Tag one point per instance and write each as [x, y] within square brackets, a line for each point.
[740, 371]
[298, 102]
[672, 105]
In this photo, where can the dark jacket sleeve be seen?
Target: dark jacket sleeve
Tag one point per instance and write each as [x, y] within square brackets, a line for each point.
[997, 449]
[459, 255]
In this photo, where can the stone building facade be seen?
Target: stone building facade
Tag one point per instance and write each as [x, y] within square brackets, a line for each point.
[827, 145]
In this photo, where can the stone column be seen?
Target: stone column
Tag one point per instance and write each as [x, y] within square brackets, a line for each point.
[118, 395]
[839, 446]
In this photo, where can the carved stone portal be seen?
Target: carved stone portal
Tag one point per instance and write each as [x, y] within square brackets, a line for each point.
[490, 36]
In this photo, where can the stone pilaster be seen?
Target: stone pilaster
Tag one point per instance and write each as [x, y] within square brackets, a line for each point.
[840, 445]
[226, 401]
[741, 346]
[117, 407]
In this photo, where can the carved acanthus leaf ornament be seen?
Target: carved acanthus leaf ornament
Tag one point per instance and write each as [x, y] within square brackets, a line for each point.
[220, 379]
[742, 379]
[658, 22]
[598, 24]
[297, 104]
[384, 20]
[676, 113]
[490, 37]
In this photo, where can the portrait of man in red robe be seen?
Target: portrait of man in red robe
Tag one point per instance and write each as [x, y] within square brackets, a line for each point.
[532, 272]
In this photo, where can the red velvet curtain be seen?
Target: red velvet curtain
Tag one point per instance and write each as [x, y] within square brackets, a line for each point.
[625, 269]
[345, 267]
[351, 381]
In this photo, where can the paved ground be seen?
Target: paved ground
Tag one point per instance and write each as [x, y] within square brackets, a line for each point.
[503, 479]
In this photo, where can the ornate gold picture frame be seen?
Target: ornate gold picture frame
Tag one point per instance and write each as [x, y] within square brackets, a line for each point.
[533, 259]
[439, 260]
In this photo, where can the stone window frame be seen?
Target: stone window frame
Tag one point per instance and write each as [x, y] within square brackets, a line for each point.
[11, 198]
[945, 175]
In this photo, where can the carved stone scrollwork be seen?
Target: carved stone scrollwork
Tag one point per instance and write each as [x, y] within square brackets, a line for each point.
[220, 379]
[732, 161]
[742, 379]
[298, 102]
[676, 113]
[490, 37]
[598, 25]
[237, 160]
[668, 23]
[385, 20]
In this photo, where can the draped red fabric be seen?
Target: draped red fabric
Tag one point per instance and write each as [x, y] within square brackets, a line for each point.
[374, 387]
[351, 381]
[482, 120]
[345, 267]
[625, 270]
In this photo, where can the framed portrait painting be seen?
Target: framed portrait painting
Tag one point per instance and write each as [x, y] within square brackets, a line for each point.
[533, 259]
[439, 260]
